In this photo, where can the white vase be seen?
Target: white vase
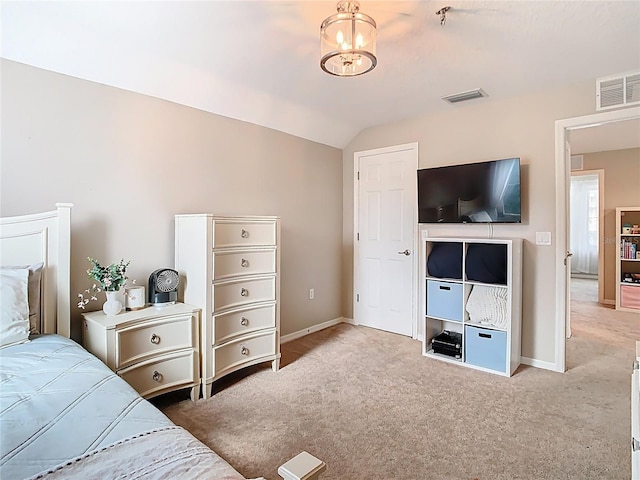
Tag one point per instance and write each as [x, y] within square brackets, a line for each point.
[112, 306]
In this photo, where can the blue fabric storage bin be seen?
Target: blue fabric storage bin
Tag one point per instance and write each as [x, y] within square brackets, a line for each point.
[444, 300]
[485, 348]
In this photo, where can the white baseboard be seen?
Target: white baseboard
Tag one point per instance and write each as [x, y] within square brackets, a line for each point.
[313, 329]
[539, 364]
[348, 320]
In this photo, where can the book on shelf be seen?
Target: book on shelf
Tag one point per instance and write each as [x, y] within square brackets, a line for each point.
[628, 249]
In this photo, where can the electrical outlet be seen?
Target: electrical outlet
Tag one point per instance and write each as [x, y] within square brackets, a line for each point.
[312, 293]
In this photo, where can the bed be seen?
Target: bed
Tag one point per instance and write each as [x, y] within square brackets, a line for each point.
[63, 413]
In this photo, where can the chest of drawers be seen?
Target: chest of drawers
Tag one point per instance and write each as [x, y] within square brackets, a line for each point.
[230, 268]
[155, 349]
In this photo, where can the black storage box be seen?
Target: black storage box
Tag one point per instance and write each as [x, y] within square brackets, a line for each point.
[448, 343]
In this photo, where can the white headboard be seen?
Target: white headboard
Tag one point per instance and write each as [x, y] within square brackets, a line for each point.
[43, 237]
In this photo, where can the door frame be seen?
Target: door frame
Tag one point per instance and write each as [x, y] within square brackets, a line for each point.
[563, 177]
[356, 221]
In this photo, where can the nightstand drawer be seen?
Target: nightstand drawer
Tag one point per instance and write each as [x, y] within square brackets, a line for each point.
[163, 374]
[235, 234]
[242, 292]
[243, 263]
[163, 335]
[244, 350]
[241, 322]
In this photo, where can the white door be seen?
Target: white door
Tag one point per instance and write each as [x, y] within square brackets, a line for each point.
[635, 423]
[568, 254]
[386, 238]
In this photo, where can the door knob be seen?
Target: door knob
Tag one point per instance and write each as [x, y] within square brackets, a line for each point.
[406, 252]
[567, 255]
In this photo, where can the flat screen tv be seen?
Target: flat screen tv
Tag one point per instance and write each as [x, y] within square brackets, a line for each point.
[485, 192]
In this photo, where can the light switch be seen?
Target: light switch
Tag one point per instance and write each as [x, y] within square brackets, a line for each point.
[543, 238]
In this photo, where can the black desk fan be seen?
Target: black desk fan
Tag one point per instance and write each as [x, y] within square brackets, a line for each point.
[163, 287]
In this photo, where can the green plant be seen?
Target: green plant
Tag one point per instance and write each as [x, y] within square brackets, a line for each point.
[110, 279]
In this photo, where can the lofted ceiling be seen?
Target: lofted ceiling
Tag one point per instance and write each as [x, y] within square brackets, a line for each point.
[258, 61]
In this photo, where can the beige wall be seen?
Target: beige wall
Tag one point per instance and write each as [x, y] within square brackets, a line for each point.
[130, 162]
[483, 130]
[621, 189]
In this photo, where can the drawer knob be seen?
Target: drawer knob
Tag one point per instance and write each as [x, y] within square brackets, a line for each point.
[244, 322]
[244, 292]
[244, 233]
[244, 263]
[157, 376]
[155, 339]
[244, 351]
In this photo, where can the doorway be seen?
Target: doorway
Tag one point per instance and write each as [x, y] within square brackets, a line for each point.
[586, 227]
[586, 198]
[385, 231]
[563, 260]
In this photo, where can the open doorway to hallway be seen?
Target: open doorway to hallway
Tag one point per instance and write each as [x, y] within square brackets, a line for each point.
[607, 178]
[586, 200]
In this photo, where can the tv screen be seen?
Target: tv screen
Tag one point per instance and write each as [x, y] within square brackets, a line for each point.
[486, 192]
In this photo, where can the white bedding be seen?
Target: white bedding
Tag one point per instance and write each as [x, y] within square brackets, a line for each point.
[58, 402]
[165, 454]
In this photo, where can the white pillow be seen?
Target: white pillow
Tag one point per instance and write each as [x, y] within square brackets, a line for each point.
[14, 306]
[33, 287]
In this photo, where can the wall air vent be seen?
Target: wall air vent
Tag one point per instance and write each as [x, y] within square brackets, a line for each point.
[577, 162]
[463, 96]
[616, 91]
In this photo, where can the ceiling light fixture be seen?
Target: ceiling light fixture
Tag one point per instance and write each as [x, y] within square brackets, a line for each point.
[348, 42]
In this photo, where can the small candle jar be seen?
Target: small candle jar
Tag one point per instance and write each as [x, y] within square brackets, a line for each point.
[135, 297]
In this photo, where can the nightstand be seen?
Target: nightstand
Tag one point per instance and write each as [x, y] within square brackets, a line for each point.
[155, 349]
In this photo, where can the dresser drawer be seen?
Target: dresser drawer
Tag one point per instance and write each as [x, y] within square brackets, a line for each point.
[139, 342]
[162, 374]
[254, 262]
[234, 234]
[241, 322]
[243, 292]
[234, 354]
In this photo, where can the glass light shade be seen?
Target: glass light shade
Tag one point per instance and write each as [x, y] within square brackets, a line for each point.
[348, 42]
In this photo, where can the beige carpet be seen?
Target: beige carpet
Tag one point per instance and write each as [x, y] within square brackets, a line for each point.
[368, 404]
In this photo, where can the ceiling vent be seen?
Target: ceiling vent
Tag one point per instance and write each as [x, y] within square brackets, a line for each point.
[463, 96]
[620, 90]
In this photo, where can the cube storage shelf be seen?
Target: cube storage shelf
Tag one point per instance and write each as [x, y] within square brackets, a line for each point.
[491, 335]
[628, 263]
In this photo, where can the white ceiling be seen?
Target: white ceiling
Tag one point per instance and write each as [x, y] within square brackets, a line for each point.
[606, 137]
[258, 61]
